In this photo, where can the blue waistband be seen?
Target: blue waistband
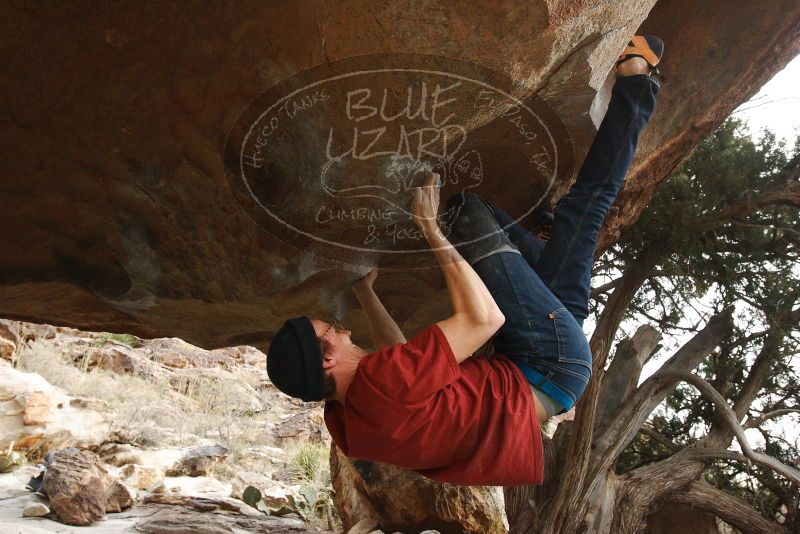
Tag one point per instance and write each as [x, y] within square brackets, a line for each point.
[538, 380]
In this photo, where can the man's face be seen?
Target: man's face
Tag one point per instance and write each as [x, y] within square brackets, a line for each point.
[336, 339]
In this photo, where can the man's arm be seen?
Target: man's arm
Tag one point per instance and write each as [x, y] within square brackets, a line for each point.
[385, 331]
[476, 316]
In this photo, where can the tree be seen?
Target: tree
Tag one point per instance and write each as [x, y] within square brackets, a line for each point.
[714, 260]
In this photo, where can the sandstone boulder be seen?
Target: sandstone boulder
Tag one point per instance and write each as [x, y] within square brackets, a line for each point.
[39, 417]
[398, 499]
[243, 479]
[198, 461]
[80, 488]
[76, 484]
[9, 339]
[140, 476]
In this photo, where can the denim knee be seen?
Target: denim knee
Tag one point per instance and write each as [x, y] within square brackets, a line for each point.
[475, 231]
[471, 205]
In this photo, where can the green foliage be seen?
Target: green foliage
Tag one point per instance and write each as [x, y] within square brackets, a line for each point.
[11, 460]
[251, 496]
[715, 233]
[316, 504]
[310, 462]
[123, 339]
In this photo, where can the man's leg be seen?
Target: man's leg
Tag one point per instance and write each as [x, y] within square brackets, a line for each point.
[525, 242]
[544, 312]
[566, 261]
[539, 334]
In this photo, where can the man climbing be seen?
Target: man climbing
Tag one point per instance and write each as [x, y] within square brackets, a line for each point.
[425, 404]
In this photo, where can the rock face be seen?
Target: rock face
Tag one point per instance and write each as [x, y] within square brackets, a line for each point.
[8, 339]
[200, 521]
[157, 437]
[117, 119]
[39, 417]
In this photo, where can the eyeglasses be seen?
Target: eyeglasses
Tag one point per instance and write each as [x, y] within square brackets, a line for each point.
[336, 325]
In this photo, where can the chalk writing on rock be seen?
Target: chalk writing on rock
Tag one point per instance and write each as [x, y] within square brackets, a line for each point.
[327, 160]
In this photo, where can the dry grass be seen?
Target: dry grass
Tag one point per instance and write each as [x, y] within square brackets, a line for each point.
[150, 412]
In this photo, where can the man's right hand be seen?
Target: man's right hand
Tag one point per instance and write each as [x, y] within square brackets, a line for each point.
[425, 204]
[476, 316]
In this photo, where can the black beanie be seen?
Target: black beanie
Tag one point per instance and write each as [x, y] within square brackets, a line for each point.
[294, 360]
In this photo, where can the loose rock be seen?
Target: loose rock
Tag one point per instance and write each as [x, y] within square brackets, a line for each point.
[365, 526]
[158, 487]
[35, 510]
[139, 476]
[75, 483]
[120, 497]
[198, 461]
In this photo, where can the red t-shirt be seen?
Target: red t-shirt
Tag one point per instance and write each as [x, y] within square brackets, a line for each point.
[414, 406]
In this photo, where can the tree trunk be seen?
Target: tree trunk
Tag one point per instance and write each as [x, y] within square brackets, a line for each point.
[733, 511]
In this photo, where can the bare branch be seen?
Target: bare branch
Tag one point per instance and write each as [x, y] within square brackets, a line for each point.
[623, 374]
[652, 434]
[753, 422]
[764, 460]
[723, 408]
[612, 437]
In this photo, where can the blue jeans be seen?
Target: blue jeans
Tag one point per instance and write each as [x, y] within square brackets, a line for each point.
[543, 289]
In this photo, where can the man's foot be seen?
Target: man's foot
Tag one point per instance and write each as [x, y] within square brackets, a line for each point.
[641, 56]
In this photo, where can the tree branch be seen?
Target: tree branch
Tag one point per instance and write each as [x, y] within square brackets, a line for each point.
[599, 290]
[766, 356]
[730, 509]
[753, 422]
[623, 374]
[621, 428]
[652, 434]
[723, 408]
[759, 458]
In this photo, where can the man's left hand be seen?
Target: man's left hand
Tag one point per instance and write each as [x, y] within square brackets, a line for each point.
[366, 281]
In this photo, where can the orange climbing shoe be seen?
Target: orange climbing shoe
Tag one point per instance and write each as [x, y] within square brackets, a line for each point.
[648, 47]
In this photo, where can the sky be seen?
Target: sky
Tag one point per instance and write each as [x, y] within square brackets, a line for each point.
[777, 104]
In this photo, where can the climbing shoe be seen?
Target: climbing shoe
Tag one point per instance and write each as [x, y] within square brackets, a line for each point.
[648, 47]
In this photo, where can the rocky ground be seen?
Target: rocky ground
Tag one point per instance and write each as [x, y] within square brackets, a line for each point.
[169, 434]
